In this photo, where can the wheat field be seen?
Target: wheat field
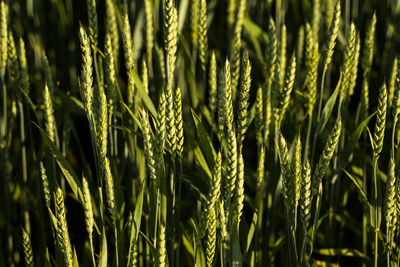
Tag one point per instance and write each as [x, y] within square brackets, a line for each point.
[199, 133]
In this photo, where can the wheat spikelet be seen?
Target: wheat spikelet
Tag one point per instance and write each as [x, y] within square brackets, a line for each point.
[203, 42]
[4, 37]
[148, 10]
[316, 19]
[170, 19]
[259, 119]
[236, 44]
[231, 12]
[62, 229]
[327, 154]
[93, 24]
[305, 196]
[348, 61]
[230, 132]
[331, 42]
[194, 21]
[212, 197]
[170, 118]
[300, 47]
[28, 253]
[239, 191]
[243, 101]
[379, 131]
[111, 83]
[133, 256]
[87, 205]
[260, 175]
[368, 49]
[281, 65]
[128, 55]
[287, 174]
[110, 193]
[392, 82]
[24, 80]
[13, 69]
[49, 114]
[364, 98]
[161, 129]
[270, 96]
[328, 10]
[145, 76]
[396, 97]
[397, 204]
[112, 27]
[211, 237]
[390, 203]
[296, 166]
[178, 122]
[221, 105]
[288, 87]
[212, 82]
[161, 249]
[87, 73]
[48, 75]
[312, 58]
[102, 124]
[223, 232]
[45, 184]
[148, 146]
[354, 66]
